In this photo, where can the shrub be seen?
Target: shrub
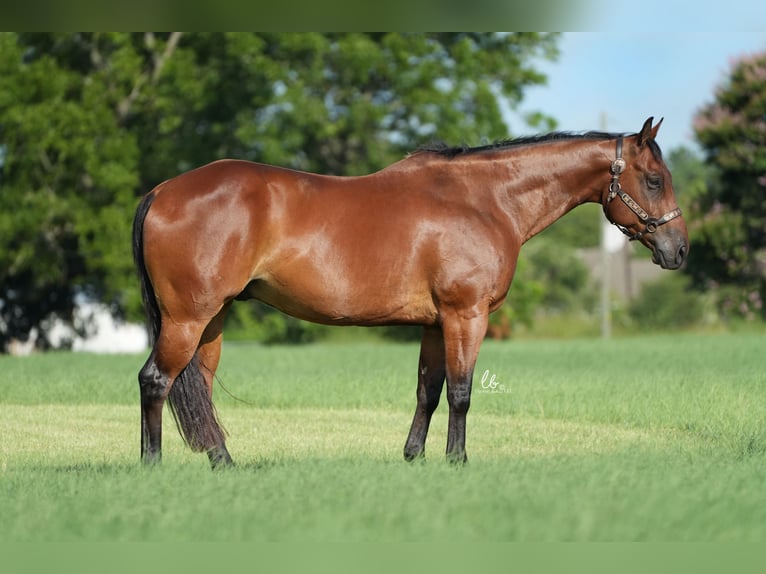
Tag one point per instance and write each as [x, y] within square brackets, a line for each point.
[668, 303]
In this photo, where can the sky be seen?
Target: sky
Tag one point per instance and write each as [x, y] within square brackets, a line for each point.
[621, 78]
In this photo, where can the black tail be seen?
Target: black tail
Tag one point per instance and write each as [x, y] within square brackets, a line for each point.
[193, 410]
[189, 399]
[147, 291]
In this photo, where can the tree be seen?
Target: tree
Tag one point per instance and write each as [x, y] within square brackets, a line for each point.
[91, 121]
[68, 176]
[729, 235]
[692, 176]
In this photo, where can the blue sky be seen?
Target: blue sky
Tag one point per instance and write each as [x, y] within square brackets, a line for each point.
[627, 76]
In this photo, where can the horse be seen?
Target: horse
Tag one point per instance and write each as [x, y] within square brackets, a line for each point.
[431, 240]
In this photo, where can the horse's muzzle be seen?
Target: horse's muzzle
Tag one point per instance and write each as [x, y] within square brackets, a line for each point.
[670, 252]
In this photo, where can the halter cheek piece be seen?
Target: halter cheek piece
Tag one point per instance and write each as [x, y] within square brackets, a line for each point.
[615, 190]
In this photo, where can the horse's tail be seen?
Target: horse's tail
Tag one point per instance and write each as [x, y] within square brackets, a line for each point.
[147, 291]
[193, 409]
[189, 399]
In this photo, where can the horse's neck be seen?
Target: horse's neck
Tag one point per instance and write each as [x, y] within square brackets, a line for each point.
[545, 183]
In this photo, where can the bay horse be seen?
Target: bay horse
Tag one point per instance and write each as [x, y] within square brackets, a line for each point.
[431, 240]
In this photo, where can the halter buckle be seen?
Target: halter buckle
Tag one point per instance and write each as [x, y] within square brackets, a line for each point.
[614, 191]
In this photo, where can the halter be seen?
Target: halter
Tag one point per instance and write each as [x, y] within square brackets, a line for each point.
[615, 190]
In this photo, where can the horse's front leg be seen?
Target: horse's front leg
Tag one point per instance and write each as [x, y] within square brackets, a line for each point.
[431, 372]
[463, 334]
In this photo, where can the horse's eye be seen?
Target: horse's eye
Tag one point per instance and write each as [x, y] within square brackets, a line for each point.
[654, 182]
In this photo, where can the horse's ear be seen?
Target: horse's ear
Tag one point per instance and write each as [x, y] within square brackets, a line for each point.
[648, 132]
[656, 128]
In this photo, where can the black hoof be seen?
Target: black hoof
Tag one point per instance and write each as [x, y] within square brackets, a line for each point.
[219, 458]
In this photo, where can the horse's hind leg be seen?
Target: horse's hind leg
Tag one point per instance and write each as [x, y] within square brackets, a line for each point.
[431, 372]
[173, 352]
[152, 384]
[209, 356]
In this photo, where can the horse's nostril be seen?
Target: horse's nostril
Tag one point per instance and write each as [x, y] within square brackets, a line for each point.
[682, 251]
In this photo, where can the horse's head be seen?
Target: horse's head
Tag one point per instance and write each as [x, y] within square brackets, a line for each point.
[640, 199]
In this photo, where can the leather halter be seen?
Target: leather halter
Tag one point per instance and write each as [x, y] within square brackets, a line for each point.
[615, 190]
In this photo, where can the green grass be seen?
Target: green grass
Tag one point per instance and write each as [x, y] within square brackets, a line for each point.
[650, 438]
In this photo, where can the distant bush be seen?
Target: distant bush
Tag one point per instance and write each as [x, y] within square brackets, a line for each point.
[668, 303]
[561, 274]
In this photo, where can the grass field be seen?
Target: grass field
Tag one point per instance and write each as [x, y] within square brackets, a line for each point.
[652, 438]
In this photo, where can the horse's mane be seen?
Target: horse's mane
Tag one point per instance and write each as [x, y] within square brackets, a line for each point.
[450, 152]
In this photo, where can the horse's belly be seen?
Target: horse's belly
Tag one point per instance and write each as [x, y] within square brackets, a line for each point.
[338, 303]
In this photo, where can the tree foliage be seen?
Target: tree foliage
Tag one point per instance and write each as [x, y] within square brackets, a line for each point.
[728, 251]
[68, 185]
[90, 121]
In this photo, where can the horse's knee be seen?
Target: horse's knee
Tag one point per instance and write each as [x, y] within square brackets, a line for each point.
[459, 397]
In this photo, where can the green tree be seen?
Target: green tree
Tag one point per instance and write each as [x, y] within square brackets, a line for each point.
[90, 121]
[68, 177]
[692, 176]
[728, 253]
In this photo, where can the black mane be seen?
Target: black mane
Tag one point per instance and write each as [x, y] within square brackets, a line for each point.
[443, 149]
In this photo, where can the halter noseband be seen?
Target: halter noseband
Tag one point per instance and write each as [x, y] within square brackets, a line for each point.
[615, 190]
